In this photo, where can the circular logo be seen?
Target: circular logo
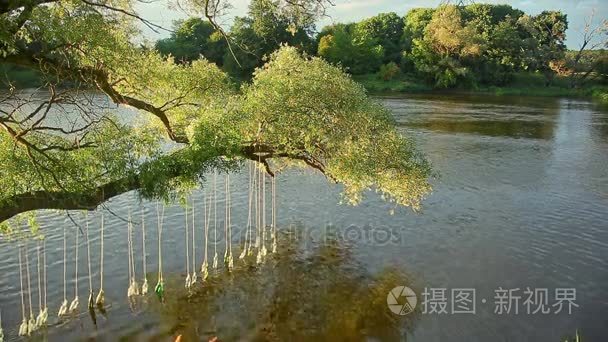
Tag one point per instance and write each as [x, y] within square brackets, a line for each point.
[401, 300]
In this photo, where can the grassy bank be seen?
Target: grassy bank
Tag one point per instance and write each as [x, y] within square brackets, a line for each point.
[522, 85]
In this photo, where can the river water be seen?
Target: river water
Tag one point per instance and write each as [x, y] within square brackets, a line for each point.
[521, 201]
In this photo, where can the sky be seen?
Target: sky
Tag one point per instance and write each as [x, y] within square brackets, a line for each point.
[354, 10]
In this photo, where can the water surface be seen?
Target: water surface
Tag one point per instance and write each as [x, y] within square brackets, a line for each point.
[521, 201]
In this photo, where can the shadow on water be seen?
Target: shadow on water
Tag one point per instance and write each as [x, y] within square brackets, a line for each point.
[318, 294]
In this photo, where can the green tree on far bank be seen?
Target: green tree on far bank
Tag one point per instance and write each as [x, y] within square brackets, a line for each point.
[191, 39]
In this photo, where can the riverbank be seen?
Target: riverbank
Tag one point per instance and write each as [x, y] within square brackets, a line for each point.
[522, 85]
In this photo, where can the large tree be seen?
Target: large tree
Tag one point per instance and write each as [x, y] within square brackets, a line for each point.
[70, 150]
[263, 30]
[358, 53]
[387, 30]
[192, 39]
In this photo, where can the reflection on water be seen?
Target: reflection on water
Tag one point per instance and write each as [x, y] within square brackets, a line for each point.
[496, 117]
[522, 201]
[318, 294]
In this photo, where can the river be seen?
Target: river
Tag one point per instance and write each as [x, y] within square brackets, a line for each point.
[520, 201]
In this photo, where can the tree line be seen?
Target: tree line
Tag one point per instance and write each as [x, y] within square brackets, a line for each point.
[447, 46]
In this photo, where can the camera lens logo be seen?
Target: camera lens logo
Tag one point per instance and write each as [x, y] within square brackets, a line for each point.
[401, 300]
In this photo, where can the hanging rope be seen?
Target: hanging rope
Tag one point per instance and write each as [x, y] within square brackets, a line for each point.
[264, 250]
[31, 324]
[38, 260]
[133, 286]
[215, 258]
[41, 318]
[207, 215]
[63, 309]
[75, 302]
[194, 277]
[159, 289]
[91, 301]
[188, 282]
[100, 300]
[274, 215]
[260, 215]
[23, 331]
[45, 310]
[134, 283]
[144, 286]
[264, 201]
[130, 276]
[1, 331]
[247, 243]
[228, 259]
[231, 261]
[256, 178]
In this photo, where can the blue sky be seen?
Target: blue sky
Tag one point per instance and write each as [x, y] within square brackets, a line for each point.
[354, 10]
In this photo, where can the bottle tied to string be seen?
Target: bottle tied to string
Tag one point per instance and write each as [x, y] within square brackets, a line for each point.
[159, 289]
[133, 289]
[91, 301]
[31, 324]
[187, 242]
[75, 303]
[63, 309]
[1, 331]
[42, 316]
[215, 256]
[23, 331]
[45, 311]
[194, 277]
[247, 244]
[207, 215]
[228, 259]
[144, 286]
[100, 300]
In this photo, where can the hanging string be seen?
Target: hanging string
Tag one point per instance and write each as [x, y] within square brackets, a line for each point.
[38, 259]
[144, 286]
[274, 215]
[23, 331]
[133, 286]
[100, 300]
[130, 276]
[264, 250]
[91, 301]
[1, 331]
[75, 302]
[260, 214]
[226, 219]
[256, 178]
[207, 215]
[247, 243]
[194, 277]
[258, 239]
[63, 309]
[134, 279]
[228, 259]
[31, 324]
[159, 289]
[45, 310]
[264, 200]
[215, 258]
[188, 282]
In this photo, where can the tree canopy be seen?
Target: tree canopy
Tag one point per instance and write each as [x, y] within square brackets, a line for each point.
[65, 149]
[451, 45]
[448, 46]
